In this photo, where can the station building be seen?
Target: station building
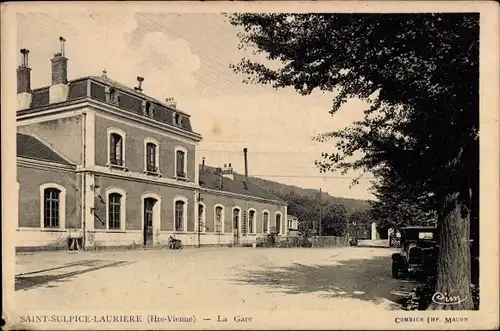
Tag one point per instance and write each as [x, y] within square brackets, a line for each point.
[101, 164]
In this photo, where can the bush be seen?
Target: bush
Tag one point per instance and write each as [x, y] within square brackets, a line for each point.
[304, 242]
[267, 241]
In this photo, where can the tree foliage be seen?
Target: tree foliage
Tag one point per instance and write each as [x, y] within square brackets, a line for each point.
[419, 137]
[310, 210]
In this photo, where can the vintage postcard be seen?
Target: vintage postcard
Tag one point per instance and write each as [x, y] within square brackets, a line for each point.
[250, 165]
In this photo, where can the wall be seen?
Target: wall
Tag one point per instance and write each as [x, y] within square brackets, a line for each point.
[132, 234]
[210, 199]
[63, 135]
[29, 232]
[134, 146]
[134, 190]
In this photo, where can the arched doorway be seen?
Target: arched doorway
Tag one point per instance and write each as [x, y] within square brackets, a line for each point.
[150, 213]
[236, 224]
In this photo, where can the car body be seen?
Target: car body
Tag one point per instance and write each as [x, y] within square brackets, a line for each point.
[418, 251]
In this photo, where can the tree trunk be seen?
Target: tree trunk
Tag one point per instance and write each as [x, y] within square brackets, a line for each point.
[452, 290]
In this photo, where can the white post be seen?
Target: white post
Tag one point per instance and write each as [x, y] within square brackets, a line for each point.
[374, 231]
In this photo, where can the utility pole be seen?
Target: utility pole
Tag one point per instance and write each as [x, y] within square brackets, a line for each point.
[199, 217]
[320, 212]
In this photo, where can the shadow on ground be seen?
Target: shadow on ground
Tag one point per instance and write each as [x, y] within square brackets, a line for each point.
[363, 279]
[51, 276]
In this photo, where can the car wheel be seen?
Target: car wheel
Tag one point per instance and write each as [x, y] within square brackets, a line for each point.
[395, 270]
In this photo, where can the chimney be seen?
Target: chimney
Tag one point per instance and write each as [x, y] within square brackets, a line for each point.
[228, 172]
[245, 153]
[138, 88]
[24, 95]
[59, 90]
[171, 102]
[203, 164]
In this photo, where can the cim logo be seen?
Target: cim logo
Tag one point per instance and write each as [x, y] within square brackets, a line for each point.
[444, 299]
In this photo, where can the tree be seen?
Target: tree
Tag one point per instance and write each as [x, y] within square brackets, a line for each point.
[308, 211]
[397, 205]
[420, 71]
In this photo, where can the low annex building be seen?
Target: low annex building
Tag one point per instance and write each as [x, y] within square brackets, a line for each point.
[102, 164]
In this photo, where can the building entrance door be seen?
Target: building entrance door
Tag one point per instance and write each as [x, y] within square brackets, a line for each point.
[148, 221]
[236, 225]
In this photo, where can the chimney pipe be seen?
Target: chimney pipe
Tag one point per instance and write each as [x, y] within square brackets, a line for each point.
[59, 91]
[62, 40]
[25, 53]
[24, 96]
[203, 164]
[60, 66]
[24, 74]
[245, 151]
[139, 81]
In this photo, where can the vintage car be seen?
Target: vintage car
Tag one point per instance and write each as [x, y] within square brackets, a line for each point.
[418, 253]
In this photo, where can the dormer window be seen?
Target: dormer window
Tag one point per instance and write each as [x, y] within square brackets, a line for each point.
[148, 108]
[177, 119]
[112, 96]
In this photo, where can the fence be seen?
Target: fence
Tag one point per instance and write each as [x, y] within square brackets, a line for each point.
[289, 242]
[328, 241]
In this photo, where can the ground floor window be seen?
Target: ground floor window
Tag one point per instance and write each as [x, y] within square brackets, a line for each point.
[114, 211]
[51, 207]
[251, 221]
[179, 215]
[265, 220]
[219, 218]
[278, 223]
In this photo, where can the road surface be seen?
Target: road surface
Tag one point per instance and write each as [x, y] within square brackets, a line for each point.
[198, 279]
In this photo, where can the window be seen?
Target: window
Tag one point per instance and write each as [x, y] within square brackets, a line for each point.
[236, 219]
[116, 156]
[151, 156]
[148, 108]
[180, 162]
[116, 145]
[425, 235]
[219, 218]
[52, 206]
[115, 209]
[180, 214]
[51, 210]
[278, 222]
[265, 222]
[112, 96]
[177, 119]
[251, 221]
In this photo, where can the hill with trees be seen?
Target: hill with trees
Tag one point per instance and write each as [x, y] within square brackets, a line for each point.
[335, 212]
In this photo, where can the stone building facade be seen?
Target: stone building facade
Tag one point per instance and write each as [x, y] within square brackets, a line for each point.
[102, 164]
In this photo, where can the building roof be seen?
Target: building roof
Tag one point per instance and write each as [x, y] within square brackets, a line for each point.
[209, 179]
[32, 148]
[129, 99]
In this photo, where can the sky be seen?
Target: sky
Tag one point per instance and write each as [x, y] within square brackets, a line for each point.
[187, 56]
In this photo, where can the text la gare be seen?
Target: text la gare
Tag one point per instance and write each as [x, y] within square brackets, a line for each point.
[237, 318]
